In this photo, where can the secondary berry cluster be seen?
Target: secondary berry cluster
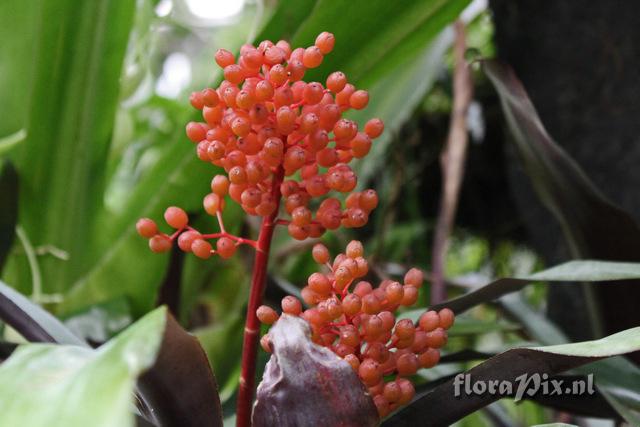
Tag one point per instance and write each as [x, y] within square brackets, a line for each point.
[357, 322]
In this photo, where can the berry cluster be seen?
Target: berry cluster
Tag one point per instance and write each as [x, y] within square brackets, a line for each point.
[264, 123]
[359, 325]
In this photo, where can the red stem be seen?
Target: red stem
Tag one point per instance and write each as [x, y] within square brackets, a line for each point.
[252, 324]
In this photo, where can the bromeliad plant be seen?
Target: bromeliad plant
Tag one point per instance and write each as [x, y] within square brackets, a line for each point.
[283, 142]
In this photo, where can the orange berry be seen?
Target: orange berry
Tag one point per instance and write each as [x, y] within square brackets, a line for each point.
[312, 57]
[369, 372]
[291, 305]
[313, 93]
[351, 304]
[186, 239]
[224, 58]
[374, 128]
[436, 338]
[414, 277]
[176, 217]
[406, 391]
[210, 97]
[407, 364]
[213, 203]
[265, 343]
[354, 249]
[410, 295]
[429, 358]
[320, 253]
[201, 248]
[336, 81]
[225, 247]
[220, 185]
[160, 243]
[266, 315]
[359, 99]
[429, 321]
[394, 293]
[196, 132]
[233, 74]
[325, 42]
[196, 100]
[446, 318]
[146, 227]
[319, 283]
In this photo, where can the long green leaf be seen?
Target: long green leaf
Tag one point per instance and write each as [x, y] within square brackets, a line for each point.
[53, 385]
[78, 54]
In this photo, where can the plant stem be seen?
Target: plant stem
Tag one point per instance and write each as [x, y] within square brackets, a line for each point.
[452, 162]
[252, 324]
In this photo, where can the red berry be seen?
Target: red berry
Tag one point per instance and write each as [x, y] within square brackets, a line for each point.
[225, 247]
[201, 248]
[325, 42]
[266, 315]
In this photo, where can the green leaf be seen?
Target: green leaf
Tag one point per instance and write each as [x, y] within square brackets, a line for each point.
[53, 385]
[9, 142]
[78, 54]
[509, 366]
[573, 271]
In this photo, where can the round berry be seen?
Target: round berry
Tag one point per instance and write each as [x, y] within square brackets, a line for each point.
[291, 305]
[201, 248]
[160, 243]
[312, 57]
[325, 42]
[146, 227]
[429, 321]
[225, 247]
[266, 315]
[176, 217]
[446, 318]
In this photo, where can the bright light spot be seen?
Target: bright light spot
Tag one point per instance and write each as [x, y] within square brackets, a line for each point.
[176, 74]
[164, 8]
[215, 9]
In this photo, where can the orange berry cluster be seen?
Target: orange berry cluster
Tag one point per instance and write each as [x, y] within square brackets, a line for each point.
[264, 123]
[359, 325]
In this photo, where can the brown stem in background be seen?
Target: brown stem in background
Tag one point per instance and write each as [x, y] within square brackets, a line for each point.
[452, 163]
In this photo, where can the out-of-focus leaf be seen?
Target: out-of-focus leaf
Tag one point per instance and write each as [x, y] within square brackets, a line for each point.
[59, 385]
[8, 208]
[7, 143]
[101, 321]
[572, 271]
[509, 366]
[180, 388]
[593, 226]
[305, 384]
[32, 321]
[78, 53]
